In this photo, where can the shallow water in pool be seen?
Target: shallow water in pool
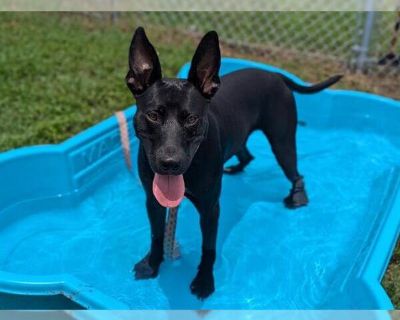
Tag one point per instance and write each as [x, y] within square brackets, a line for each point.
[268, 256]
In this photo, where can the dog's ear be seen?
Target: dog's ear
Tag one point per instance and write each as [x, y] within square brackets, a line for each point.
[144, 66]
[205, 65]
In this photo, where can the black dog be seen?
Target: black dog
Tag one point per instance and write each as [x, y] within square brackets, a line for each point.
[188, 129]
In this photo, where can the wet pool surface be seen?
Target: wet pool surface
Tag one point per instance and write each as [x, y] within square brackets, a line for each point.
[268, 256]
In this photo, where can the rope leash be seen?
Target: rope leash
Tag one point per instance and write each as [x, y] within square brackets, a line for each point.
[124, 135]
[171, 246]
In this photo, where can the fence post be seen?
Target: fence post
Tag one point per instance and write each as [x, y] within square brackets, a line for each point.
[114, 14]
[366, 35]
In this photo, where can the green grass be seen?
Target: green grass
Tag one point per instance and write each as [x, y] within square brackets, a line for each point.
[391, 281]
[61, 73]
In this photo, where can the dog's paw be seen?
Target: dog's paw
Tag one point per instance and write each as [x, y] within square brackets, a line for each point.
[143, 269]
[297, 196]
[296, 200]
[202, 285]
[234, 169]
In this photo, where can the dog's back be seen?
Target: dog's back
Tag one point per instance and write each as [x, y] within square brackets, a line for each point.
[252, 99]
[245, 101]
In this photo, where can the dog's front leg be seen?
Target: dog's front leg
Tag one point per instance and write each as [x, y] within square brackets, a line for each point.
[203, 284]
[148, 267]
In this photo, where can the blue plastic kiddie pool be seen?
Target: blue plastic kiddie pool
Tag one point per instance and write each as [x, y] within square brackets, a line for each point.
[73, 222]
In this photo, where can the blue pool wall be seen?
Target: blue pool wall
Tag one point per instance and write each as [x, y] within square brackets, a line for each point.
[35, 173]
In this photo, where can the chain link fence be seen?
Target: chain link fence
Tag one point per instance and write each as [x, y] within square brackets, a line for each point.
[356, 39]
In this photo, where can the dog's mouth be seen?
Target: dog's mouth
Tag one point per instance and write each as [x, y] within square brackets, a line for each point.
[168, 189]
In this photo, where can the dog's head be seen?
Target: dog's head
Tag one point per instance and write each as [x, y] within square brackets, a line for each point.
[171, 118]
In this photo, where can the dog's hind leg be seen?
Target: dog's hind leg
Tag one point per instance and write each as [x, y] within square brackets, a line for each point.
[284, 150]
[286, 157]
[244, 156]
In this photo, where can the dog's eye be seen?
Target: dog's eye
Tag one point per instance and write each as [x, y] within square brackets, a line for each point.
[152, 116]
[191, 120]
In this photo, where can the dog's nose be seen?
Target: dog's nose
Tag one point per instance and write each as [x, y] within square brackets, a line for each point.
[170, 165]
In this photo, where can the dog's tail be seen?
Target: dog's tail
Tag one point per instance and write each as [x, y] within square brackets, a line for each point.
[313, 88]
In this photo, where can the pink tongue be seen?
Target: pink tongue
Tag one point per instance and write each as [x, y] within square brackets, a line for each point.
[168, 190]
